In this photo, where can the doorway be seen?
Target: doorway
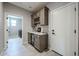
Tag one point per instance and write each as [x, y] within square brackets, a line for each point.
[14, 27]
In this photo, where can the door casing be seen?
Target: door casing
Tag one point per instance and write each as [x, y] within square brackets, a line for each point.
[6, 27]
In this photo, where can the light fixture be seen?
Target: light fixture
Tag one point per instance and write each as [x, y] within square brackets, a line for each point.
[30, 7]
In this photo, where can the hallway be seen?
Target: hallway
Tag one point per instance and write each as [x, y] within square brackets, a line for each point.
[15, 48]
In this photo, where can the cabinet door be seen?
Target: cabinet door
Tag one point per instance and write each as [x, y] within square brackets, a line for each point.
[42, 16]
[37, 42]
[29, 37]
[38, 14]
[34, 15]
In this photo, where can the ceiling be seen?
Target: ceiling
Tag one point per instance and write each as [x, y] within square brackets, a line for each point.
[30, 6]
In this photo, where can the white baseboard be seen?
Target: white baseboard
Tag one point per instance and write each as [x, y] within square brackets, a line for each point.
[2, 53]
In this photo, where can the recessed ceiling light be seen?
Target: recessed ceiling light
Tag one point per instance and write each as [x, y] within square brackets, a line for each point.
[30, 7]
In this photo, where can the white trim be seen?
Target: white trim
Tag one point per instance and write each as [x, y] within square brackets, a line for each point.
[77, 30]
[2, 53]
[6, 15]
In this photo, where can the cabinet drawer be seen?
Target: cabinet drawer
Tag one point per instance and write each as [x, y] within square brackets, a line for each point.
[37, 39]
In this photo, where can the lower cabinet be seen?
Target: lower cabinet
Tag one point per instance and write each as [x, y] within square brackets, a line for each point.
[41, 42]
[37, 42]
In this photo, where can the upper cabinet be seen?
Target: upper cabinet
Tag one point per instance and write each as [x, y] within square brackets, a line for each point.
[40, 17]
[44, 16]
[38, 14]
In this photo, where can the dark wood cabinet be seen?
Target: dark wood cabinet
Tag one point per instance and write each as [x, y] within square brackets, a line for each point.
[44, 16]
[40, 42]
[41, 17]
[29, 38]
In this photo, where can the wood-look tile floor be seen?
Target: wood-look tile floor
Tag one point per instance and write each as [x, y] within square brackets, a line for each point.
[15, 48]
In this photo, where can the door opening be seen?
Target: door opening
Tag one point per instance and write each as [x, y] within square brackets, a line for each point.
[13, 33]
[14, 27]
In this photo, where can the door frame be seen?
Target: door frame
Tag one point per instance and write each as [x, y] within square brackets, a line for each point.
[5, 22]
[77, 30]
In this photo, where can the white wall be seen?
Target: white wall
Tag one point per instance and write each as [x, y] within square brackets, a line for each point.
[1, 28]
[16, 11]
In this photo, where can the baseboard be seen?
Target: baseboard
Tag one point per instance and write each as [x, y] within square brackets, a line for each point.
[2, 53]
[24, 43]
[57, 53]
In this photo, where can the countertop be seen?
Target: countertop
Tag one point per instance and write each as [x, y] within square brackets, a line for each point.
[38, 33]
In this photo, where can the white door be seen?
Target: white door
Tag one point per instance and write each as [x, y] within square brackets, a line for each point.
[62, 30]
